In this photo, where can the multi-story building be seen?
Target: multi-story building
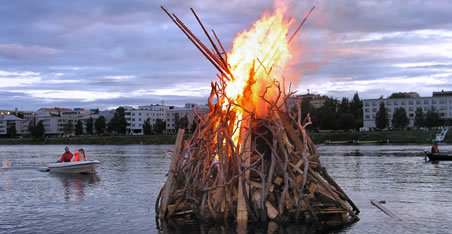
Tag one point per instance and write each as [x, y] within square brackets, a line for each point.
[315, 100]
[173, 115]
[136, 117]
[440, 101]
[56, 119]
[6, 121]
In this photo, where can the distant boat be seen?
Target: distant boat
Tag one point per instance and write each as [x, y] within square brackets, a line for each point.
[82, 167]
[439, 157]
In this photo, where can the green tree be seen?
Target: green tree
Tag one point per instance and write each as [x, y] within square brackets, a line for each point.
[400, 119]
[68, 128]
[89, 125]
[100, 125]
[381, 119]
[356, 107]
[432, 118]
[344, 107]
[182, 123]
[346, 121]
[96, 112]
[419, 118]
[326, 115]
[11, 131]
[118, 123]
[147, 127]
[194, 125]
[79, 128]
[37, 130]
[159, 126]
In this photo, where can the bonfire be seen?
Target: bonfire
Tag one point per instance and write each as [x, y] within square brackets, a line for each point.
[250, 158]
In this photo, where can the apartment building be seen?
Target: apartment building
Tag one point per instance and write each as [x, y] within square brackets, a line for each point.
[135, 117]
[315, 100]
[6, 121]
[440, 101]
[174, 114]
[55, 119]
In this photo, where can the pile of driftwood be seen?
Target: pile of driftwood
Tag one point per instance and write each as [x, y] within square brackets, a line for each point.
[272, 172]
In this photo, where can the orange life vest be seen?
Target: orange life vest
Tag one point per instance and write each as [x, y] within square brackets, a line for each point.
[76, 157]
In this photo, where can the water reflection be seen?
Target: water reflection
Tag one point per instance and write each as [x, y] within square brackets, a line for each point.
[179, 226]
[74, 184]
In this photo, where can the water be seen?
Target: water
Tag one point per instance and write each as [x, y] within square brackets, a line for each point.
[121, 196]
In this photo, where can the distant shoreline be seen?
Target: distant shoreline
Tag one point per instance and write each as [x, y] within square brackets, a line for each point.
[334, 138]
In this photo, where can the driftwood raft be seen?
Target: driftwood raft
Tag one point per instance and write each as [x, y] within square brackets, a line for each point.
[272, 173]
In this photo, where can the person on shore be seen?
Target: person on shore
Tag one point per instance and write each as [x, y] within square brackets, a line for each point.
[79, 156]
[67, 156]
[435, 149]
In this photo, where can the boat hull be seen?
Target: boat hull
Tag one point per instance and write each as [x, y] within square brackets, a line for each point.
[83, 167]
[439, 157]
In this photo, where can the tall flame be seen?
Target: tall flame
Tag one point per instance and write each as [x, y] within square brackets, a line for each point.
[258, 59]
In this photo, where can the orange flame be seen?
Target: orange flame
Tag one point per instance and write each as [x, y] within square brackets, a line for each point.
[258, 59]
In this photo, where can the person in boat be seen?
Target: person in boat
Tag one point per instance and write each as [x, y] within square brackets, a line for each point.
[67, 156]
[435, 149]
[79, 156]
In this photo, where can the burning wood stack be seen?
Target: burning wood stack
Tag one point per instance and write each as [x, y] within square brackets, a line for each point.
[250, 158]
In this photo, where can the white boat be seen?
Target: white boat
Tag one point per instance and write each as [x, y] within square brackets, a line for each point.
[84, 167]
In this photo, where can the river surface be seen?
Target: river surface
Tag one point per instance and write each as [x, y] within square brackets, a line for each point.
[120, 197]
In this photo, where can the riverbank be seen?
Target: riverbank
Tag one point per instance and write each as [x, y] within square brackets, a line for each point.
[93, 140]
[392, 137]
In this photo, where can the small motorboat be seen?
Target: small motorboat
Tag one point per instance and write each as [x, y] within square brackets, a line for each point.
[82, 167]
[438, 157]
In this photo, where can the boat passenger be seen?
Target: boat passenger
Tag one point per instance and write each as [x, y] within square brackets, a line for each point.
[67, 156]
[76, 158]
[435, 149]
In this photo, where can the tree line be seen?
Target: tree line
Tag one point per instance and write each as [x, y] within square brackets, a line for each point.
[400, 120]
[333, 114]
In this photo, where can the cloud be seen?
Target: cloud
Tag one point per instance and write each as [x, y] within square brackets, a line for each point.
[109, 53]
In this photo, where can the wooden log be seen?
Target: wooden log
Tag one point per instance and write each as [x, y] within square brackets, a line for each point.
[333, 194]
[170, 179]
[242, 211]
[386, 211]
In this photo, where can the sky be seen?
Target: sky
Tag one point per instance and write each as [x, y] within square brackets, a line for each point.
[109, 53]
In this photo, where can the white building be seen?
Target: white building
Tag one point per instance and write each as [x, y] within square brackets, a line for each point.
[440, 101]
[315, 100]
[173, 115]
[135, 117]
[7, 121]
[55, 119]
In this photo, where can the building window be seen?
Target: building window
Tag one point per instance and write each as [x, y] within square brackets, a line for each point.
[389, 103]
[139, 119]
[374, 110]
[418, 102]
[411, 108]
[367, 116]
[139, 114]
[411, 115]
[426, 102]
[396, 103]
[411, 102]
[367, 110]
[442, 108]
[433, 101]
[366, 104]
[133, 119]
[133, 114]
[442, 114]
[442, 101]
[389, 110]
[374, 104]
[403, 103]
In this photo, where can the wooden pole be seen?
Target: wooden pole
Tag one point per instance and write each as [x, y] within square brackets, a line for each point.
[170, 179]
[386, 211]
[242, 211]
